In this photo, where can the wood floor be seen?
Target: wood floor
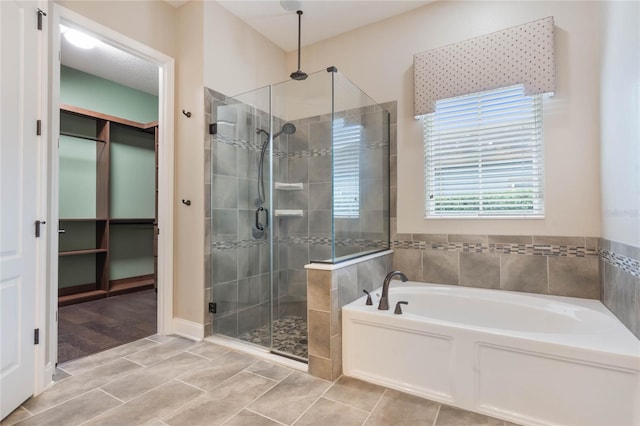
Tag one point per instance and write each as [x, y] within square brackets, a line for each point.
[91, 327]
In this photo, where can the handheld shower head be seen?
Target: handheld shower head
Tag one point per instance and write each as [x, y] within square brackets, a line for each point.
[287, 129]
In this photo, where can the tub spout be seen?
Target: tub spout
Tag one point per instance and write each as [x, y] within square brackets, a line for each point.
[384, 299]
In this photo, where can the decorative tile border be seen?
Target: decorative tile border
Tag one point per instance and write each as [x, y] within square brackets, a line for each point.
[325, 241]
[327, 151]
[500, 248]
[627, 264]
[241, 143]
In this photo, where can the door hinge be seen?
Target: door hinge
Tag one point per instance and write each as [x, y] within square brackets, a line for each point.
[38, 127]
[213, 128]
[41, 13]
[36, 336]
[213, 308]
[39, 223]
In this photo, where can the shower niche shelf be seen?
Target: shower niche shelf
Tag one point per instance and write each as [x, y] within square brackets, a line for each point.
[288, 213]
[284, 186]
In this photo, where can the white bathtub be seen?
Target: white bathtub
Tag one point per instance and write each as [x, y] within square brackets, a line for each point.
[530, 359]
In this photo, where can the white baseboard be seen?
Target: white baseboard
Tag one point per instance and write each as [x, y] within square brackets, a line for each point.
[188, 329]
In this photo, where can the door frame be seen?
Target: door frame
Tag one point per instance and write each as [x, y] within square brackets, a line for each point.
[47, 294]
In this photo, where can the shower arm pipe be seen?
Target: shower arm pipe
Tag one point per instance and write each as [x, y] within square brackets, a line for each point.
[299, 12]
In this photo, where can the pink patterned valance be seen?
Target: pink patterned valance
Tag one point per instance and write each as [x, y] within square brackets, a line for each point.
[517, 55]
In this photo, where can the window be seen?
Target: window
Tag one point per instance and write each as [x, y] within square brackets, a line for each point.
[484, 155]
[346, 169]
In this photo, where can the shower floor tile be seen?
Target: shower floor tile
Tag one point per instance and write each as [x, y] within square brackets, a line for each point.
[289, 336]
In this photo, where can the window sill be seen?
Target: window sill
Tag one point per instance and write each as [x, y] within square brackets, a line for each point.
[536, 217]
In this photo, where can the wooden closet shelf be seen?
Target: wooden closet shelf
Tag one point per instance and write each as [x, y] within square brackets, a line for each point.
[80, 252]
[85, 112]
[133, 221]
[82, 220]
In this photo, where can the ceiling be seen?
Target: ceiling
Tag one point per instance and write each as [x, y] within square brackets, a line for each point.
[112, 64]
[322, 19]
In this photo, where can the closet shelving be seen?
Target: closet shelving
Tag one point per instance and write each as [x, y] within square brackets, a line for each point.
[104, 216]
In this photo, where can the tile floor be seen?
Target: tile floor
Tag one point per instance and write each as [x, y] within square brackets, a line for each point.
[174, 381]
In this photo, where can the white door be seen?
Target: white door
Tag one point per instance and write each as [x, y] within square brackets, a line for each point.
[18, 186]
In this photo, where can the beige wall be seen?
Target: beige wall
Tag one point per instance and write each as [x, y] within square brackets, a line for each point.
[620, 122]
[379, 58]
[179, 34]
[236, 57]
[150, 22]
[188, 254]
[211, 47]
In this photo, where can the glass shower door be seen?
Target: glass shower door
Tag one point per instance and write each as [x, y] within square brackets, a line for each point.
[241, 261]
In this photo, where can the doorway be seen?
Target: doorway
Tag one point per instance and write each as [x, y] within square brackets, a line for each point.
[111, 190]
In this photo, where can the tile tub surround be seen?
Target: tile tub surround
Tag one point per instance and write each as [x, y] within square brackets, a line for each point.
[327, 292]
[207, 384]
[620, 282]
[561, 266]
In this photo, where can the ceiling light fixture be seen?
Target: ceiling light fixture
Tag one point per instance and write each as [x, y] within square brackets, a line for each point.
[78, 38]
[290, 5]
[299, 74]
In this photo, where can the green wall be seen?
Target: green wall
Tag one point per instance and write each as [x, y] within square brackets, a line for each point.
[97, 94]
[77, 178]
[132, 174]
[130, 250]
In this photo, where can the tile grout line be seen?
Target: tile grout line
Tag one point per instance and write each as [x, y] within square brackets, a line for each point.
[265, 377]
[112, 396]
[106, 411]
[115, 359]
[33, 414]
[375, 406]
[314, 402]
[245, 407]
[435, 418]
[345, 404]
[261, 415]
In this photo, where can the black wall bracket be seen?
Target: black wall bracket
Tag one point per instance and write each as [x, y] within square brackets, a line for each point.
[213, 308]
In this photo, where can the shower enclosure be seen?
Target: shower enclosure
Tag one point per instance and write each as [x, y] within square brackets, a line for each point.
[299, 174]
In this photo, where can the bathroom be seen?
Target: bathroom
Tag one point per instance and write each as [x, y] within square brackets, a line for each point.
[556, 248]
[584, 242]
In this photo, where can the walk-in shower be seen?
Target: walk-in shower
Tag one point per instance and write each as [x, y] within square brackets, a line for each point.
[299, 173]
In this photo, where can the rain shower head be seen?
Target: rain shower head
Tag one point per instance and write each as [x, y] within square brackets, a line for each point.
[299, 74]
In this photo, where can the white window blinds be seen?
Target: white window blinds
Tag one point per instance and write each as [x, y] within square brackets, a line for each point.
[346, 169]
[484, 155]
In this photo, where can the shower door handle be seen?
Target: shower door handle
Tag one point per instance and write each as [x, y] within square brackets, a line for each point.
[259, 225]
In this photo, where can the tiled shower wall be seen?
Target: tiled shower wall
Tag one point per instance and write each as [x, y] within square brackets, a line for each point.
[620, 282]
[309, 161]
[236, 264]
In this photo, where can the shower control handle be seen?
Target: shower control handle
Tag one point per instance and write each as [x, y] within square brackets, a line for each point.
[259, 225]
